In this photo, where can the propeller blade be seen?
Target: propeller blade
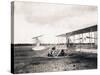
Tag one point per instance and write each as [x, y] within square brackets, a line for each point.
[37, 36]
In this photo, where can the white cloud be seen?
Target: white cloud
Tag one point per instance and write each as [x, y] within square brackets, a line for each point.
[32, 19]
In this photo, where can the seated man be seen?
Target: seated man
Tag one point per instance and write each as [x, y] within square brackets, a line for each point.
[62, 53]
[52, 51]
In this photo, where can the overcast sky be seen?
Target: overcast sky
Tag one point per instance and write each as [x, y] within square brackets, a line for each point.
[33, 19]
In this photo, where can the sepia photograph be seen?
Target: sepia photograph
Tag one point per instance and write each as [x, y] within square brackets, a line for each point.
[50, 37]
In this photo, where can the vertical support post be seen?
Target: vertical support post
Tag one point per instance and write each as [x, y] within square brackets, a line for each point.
[66, 42]
[91, 37]
[79, 42]
[94, 38]
[74, 40]
[82, 39]
[89, 40]
[69, 41]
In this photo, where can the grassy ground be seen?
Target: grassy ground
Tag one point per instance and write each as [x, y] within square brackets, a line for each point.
[25, 62]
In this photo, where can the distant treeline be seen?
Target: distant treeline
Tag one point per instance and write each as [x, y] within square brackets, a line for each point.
[25, 44]
[22, 44]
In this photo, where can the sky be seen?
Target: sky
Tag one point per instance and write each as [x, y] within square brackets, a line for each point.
[33, 19]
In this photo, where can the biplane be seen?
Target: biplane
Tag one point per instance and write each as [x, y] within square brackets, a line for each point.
[52, 51]
[92, 37]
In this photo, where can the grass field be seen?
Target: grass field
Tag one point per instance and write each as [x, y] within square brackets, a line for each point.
[25, 62]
